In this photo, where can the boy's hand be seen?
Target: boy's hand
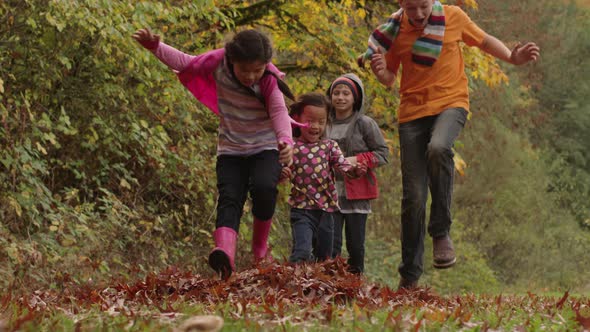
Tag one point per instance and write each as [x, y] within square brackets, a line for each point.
[146, 38]
[285, 154]
[522, 54]
[379, 68]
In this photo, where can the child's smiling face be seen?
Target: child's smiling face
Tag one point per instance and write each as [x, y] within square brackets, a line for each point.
[317, 117]
[418, 11]
[342, 99]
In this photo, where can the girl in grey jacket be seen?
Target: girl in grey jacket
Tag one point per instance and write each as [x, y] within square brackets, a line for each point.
[361, 141]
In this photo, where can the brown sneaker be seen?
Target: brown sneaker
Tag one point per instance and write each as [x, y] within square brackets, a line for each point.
[407, 284]
[443, 252]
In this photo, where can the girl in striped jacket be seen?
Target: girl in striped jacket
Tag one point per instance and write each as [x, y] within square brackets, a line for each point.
[241, 85]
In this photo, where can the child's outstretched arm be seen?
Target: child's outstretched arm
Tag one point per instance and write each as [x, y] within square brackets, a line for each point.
[147, 39]
[173, 58]
[519, 55]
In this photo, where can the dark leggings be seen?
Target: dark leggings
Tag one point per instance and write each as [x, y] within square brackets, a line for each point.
[238, 175]
[312, 231]
[354, 225]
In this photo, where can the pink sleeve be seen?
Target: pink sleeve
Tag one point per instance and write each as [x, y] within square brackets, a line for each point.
[277, 110]
[173, 58]
[194, 72]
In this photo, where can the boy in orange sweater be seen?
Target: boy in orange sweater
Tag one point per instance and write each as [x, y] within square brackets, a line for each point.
[423, 36]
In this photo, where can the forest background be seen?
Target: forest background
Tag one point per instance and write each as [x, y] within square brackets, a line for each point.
[106, 161]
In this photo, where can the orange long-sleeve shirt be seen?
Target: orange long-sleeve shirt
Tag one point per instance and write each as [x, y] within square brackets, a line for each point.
[427, 91]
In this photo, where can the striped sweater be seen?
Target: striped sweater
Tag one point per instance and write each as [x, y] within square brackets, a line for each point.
[247, 125]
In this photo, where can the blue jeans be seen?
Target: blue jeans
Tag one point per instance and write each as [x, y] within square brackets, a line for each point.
[312, 231]
[426, 161]
[238, 175]
[354, 225]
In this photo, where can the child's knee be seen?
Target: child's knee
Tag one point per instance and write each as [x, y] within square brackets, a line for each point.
[264, 190]
[438, 152]
[264, 210]
[264, 201]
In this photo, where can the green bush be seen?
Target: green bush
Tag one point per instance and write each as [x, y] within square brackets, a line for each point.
[513, 217]
[102, 151]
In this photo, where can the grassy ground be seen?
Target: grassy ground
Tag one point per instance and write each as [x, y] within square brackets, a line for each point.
[321, 297]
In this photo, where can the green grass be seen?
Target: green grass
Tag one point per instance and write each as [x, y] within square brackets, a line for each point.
[477, 314]
[319, 297]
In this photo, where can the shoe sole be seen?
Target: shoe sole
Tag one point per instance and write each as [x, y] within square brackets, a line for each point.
[444, 265]
[407, 287]
[219, 262]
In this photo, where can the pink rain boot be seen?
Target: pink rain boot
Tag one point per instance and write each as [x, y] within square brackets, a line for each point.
[260, 239]
[221, 258]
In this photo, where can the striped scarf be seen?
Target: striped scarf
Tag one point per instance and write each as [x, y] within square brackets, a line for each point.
[426, 49]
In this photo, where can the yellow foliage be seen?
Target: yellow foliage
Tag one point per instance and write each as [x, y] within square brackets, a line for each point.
[361, 13]
[313, 7]
[525, 98]
[460, 164]
[471, 3]
[15, 206]
[483, 66]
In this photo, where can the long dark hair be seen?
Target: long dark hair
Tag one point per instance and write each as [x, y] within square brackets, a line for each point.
[309, 99]
[249, 46]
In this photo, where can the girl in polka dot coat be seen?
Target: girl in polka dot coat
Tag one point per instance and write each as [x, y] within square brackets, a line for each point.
[313, 196]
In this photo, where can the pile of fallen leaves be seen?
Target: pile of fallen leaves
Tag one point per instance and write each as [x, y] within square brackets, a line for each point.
[300, 294]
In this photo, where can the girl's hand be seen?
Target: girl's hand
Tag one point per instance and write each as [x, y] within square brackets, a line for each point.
[285, 154]
[285, 174]
[522, 54]
[357, 171]
[360, 170]
[146, 38]
[352, 160]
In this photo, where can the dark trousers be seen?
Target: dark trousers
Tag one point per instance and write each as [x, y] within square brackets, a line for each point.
[312, 232]
[354, 225]
[236, 176]
[427, 162]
